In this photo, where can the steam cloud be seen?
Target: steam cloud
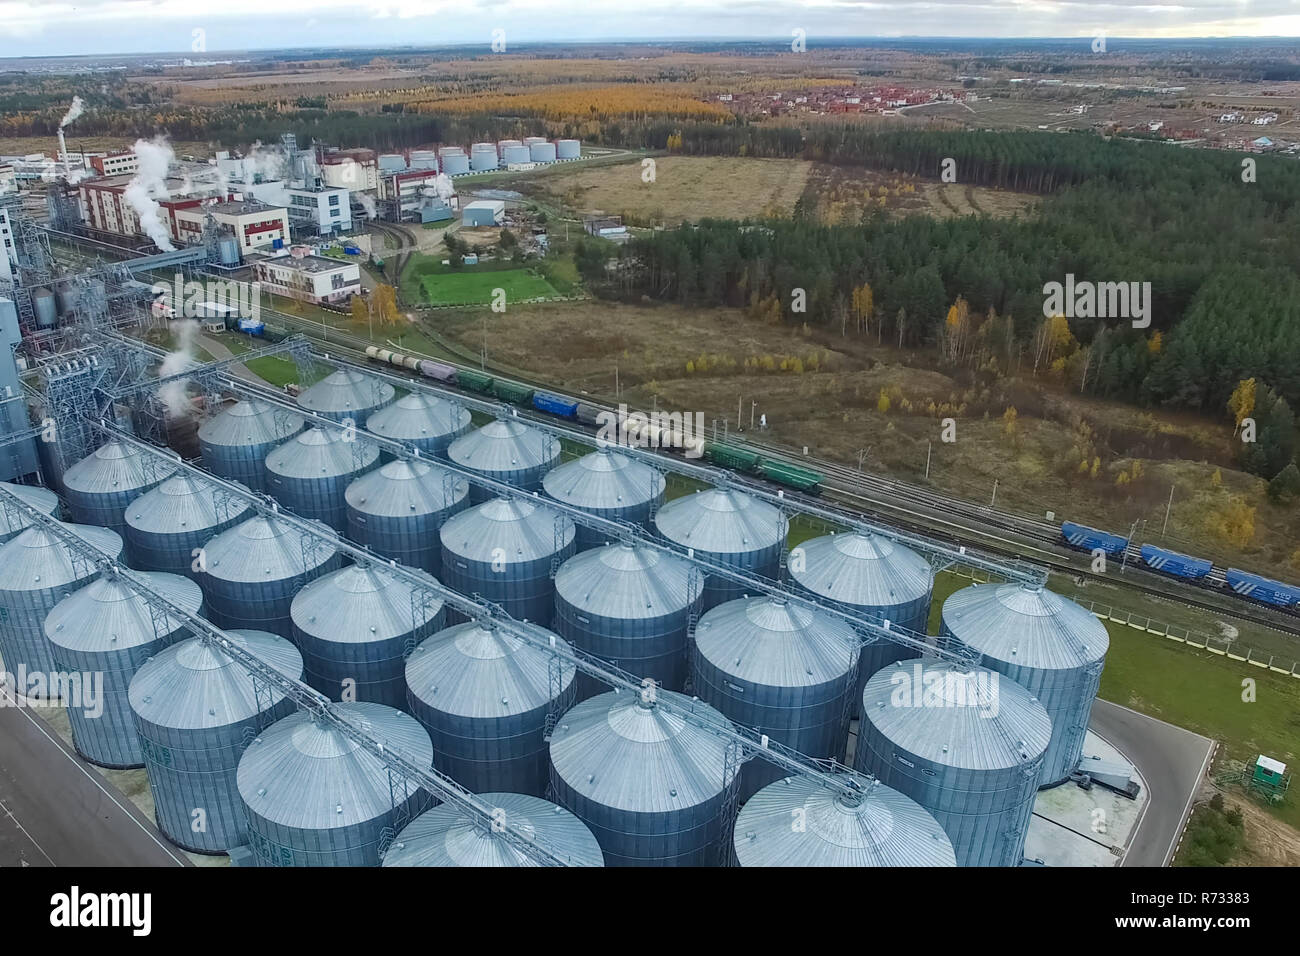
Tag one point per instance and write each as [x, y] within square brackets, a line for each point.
[367, 203]
[75, 110]
[172, 394]
[150, 182]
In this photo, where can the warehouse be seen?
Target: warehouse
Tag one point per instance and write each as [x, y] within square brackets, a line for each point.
[483, 212]
[314, 279]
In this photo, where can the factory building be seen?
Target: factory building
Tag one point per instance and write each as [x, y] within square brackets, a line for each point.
[255, 224]
[123, 163]
[314, 279]
[104, 206]
[483, 212]
[413, 195]
[354, 169]
[313, 211]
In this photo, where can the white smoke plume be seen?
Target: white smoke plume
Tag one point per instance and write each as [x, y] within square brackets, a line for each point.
[444, 187]
[268, 161]
[75, 110]
[368, 204]
[150, 184]
[173, 394]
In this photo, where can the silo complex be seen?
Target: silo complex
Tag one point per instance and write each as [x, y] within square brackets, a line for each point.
[448, 836]
[506, 451]
[100, 486]
[631, 606]
[397, 510]
[966, 743]
[37, 572]
[310, 473]
[314, 797]
[609, 485]
[254, 569]
[782, 670]
[355, 626]
[346, 395]
[12, 521]
[425, 421]
[484, 697]
[876, 827]
[235, 442]
[195, 712]
[652, 787]
[165, 526]
[1047, 644]
[505, 550]
[726, 527]
[108, 629]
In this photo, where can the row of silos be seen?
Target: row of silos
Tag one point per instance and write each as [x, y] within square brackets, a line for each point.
[608, 485]
[13, 521]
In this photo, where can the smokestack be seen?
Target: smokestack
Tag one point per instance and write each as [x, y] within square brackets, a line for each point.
[63, 148]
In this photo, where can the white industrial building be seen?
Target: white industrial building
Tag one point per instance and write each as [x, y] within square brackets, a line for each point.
[325, 211]
[483, 212]
[315, 279]
[256, 225]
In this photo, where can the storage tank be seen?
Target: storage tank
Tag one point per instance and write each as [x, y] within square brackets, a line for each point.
[503, 143]
[424, 159]
[484, 697]
[449, 836]
[13, 521]
[609, 485]
[506, 550]
[454, 164]
[532, 140]
[542, 152]
[108, 629]
[396, 511]
[46, 308]
[235, 442]
[726, 527]
[515, 154]
[425, 421]
[255, 568]
[314, 797]
[652, 787]
[782, 670]
[355, 627]
[100, 486]
[878, 827]
[567, 149]
[36, 573]
[631, 606]
[445, 151]
[391, 162]
[483, 156]
[195, 711]
[963, 742]
[869, 575]
[506, 451]
[1047, 644]
[165, 527]
[310, 473]
[345, 395]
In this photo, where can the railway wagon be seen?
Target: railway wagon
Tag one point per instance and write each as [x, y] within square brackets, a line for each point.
[1178, 565]
[1090, 539]
[1262, 589]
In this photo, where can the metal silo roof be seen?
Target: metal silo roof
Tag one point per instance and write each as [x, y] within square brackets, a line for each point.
[304, 774]
[420, 418]
[42, 499]
[604, 480]
[404, 488]
[183, 503]
[880, 827]
[504, 445]
[1026, 626]
[524, 531]
[625, 581]
[108, 616]
[862, 569]
[115, 468]
[722, 521]
[957, 716]
[449, 836]
[250, 422]
[194, 685]
[35, 560]
[362, 604]
[318, 453]
[264, 549]
[765, 640]
[345, 393]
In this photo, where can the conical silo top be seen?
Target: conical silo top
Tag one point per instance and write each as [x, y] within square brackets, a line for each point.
[504, 445]
[626, 581]
[115, 467]
[265, 549]
[604, 479]
[109, 615]
[250, 422]
[721, 520]
[1025, 626]
[42, 499]
[863, 569]
[183, 503]
[406, 487]
[507, 529]
[360, 604]
[345, 391]
[320, 453]
[417, 415]
[771, 642]
[36, 560]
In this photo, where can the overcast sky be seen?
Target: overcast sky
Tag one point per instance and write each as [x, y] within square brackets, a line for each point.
[54, 27]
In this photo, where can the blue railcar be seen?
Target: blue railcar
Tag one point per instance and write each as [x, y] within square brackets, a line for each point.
[1179, 565]
[1262, 589]
[1090, 539]
[555, 404]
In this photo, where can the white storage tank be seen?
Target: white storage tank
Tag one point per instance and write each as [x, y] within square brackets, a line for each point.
[455, 164]
[516, 153]
[542, 152]
[567, 149]
[483, 156]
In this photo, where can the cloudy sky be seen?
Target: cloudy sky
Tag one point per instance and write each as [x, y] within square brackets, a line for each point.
[54, 27]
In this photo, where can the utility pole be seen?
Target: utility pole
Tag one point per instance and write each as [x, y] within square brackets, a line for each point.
[862, 456]
[740, 404]
[616, 393]
[994, 499]
[752, 406]
[1169, 505]
[928, 447]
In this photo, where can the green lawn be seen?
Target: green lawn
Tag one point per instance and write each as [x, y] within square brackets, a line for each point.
[468, 286]
[276, 371]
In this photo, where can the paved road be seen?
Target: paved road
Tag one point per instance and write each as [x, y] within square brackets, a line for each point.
[1172, 762]
[56, 811]
[218, 350]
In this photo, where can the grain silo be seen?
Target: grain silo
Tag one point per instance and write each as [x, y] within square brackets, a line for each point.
[484, 697]
[506, 550]
[426, 421]
[13, 521]
[108, 629]
[310, 473]
[346, 395]
[507, 451]
[515, 153]
[450, 836]
[165, 526]
[355, 627]
[654, 788]
[631, 606]
[100, 486]
[396, 511]
[782, 670]
[568, 149]
[253, 570]
[455, 164]
[609, 485]
[726, 527]
[235, 442]
[541, 152]
[872, 576]
[876, 827]
[1047, 644]
[195, 711]
[483, 157]
[37, 571]
[314, 797]
[965, 743]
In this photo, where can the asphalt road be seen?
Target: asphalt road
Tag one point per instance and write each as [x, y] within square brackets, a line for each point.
[56, 811]
[1172, 762]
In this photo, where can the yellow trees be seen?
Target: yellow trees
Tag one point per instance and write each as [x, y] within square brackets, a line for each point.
[360, 311]
[864, 306]
[883, 403]
[1233, 523]
[1052, 341]
[1242, 401]
[383, 302]
[1010, 423]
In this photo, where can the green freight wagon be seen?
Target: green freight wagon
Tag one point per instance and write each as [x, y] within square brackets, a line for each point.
[512, 393]
[474, 381]
[728, 456]
[793, 476]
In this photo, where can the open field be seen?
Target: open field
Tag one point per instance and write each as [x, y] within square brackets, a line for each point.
[457, 289]
[841, 194]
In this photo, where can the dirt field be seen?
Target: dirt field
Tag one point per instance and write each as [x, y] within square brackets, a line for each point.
[1271, 842]
[841, 194]
[49, 145]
